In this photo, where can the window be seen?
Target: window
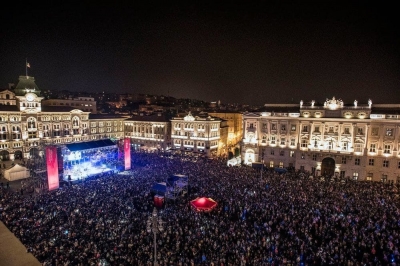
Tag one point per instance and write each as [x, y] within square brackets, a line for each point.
[344, 160]
[293, 127]
[315, 143]
[358, 147]
[273, 126]
[292, 142]
[345, 145]
[272, 152]
[271, 164]
[264, 126]
[330, 145]
[385, 163]
[316, 129]
[31, 122]
[280, 164]
[372, 147]
[282, 153]
[346, 130]
[375, 131]
[273, 140]
[305, 128]
[314, 157]
[283, 140]
[370, 176]
[386, 148]
[389, 132]
[384, 178]
[292, 155]
[360, 131]
[355, 176]
[357, 161]
[32, 134]
[371, 162]
[303, 156]
[304, 143]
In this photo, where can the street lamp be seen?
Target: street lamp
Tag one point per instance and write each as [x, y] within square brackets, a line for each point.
[155, 225]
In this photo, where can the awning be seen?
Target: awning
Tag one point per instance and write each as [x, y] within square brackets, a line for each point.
[95, 144]
[203, 204]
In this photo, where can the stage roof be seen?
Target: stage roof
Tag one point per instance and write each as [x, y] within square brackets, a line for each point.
[95, 144]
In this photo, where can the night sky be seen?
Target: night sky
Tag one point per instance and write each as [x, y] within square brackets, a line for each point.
[237, 52]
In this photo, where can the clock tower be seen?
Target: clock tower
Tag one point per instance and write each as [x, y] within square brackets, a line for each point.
[27, 94]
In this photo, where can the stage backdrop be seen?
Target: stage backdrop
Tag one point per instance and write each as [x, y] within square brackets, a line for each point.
[52, 167]
[127, 151]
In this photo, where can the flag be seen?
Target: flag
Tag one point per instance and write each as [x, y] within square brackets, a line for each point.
[28, 65]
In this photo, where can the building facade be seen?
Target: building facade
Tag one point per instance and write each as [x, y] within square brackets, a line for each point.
[151, 132]
[86, 104]
[330, 139]
[27, 127]
[234, 137]
[196, 134]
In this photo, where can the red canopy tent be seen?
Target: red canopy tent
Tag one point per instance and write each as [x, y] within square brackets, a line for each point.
[203, 204]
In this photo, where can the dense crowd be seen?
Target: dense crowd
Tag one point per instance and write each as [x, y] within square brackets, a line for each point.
[268, 219]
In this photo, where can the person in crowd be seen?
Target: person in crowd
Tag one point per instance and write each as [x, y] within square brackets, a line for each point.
[268, 219]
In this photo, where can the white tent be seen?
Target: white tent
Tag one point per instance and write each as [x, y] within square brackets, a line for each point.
[16, 172]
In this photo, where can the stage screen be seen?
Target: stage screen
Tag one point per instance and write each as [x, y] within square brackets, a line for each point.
[127, 151]
[52, 167]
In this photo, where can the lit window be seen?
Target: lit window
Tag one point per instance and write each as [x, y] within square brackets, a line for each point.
[372, 147]
[386, 148]
[304, 143]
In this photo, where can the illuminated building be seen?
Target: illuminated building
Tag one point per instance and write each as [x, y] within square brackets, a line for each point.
[86, 104]
[235, 130]
[149, 131]
[357, 141]
[27, 126]
[196, 134]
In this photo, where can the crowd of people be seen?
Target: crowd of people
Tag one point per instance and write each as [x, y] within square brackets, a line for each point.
[268, 219]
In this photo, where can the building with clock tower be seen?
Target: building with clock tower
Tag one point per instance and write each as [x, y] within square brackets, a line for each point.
[26, 126]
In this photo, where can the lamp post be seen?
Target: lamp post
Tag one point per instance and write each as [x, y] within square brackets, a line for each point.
[155, 225]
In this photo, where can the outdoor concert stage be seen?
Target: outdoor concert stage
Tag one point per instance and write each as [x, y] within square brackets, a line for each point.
[85, 170]
[85, 159]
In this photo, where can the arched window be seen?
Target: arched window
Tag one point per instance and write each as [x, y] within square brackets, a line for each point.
[31, 122]
[75, 121]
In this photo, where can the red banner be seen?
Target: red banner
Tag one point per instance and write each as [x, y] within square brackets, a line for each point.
[127, 151]
[52, 167]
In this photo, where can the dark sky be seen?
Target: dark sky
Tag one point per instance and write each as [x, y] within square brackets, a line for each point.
[252, 53]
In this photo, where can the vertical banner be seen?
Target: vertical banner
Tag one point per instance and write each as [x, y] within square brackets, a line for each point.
[52, 167]
[127, 151]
